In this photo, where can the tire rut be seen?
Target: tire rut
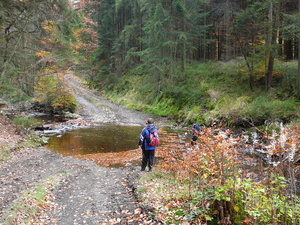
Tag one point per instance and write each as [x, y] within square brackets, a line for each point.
[84, 193]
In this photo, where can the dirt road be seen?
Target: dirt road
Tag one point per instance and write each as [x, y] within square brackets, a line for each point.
[41, 187]
[99, 110]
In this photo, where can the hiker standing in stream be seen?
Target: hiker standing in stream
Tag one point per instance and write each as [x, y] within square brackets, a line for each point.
[148, 148]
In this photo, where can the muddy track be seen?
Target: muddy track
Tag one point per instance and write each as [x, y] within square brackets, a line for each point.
[83, 193]
[99, 110]
[76, 191]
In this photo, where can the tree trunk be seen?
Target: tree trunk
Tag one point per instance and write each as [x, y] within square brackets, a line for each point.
[227, 31]
[184, 47]
[288, 51]
[270, 71]
[270, 58]
[272, 34]
[298, 57]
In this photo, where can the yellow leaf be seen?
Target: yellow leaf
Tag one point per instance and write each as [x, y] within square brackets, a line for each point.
[236, 208]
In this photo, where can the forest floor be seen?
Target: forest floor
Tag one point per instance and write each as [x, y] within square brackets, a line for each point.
[38, 186]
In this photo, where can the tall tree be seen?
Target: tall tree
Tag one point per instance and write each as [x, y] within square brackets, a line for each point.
[222, 16]
[256, 30]
[273, 23]
[23, 34]
[298, 92]
[171, 29]
[130, 33]
[161, 34]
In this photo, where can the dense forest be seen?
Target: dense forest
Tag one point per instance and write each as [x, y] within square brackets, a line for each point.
[204, 60]
[221, 63]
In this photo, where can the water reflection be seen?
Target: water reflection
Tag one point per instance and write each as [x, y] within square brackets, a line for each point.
[102, 139]
[2, 105]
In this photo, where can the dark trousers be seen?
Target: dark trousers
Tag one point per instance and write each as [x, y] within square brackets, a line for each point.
[148, 159]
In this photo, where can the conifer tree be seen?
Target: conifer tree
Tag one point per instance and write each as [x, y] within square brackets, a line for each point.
[250, 27]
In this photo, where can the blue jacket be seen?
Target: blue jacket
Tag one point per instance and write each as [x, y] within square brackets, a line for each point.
[196, 127]
[144, 135]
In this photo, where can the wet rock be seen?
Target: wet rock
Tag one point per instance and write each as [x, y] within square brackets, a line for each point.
[39, 128]
[53, 132]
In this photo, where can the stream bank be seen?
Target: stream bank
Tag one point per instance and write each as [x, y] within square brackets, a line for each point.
[80, 191]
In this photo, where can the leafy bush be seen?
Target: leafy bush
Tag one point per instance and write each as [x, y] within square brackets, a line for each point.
[268, 203]
[207, 183]
[194, 114]
[51, 92]
[263, 109]
[25, 121]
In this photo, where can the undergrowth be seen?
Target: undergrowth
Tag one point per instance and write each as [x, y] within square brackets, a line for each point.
[217, 181]
[25, 122]
[212, 92]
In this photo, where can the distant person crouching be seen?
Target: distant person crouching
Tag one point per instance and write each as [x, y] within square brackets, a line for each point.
[195, 132]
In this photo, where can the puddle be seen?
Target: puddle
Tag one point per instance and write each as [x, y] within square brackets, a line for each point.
[107, 138]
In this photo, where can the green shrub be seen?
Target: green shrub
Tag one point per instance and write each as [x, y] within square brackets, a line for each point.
[263, 109]
[25, 121]
[64, 101]
[194, 114]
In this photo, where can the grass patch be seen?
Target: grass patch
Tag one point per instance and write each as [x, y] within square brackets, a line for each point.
[4, 153]
[25, 121]
[93, 100]
[27, 207]
[32, 140]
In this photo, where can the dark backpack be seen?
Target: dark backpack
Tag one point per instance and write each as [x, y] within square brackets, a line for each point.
[153, 138]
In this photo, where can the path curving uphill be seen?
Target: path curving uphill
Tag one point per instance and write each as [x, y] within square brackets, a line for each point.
[99, 110]
[40, 187]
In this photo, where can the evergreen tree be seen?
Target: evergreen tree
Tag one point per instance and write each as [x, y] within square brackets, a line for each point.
[258, 44]
[171, 28]
[291, 31]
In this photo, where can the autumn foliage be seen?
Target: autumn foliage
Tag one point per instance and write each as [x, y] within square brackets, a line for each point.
[52, 91]
[217, 181]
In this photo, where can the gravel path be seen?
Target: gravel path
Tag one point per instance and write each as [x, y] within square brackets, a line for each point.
[76, 191]
[99, 110]
[83, 193]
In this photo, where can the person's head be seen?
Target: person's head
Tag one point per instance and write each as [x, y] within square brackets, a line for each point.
[193, 122]
[150, 121]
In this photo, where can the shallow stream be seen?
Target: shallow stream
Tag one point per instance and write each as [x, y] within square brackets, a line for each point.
[106, 138]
